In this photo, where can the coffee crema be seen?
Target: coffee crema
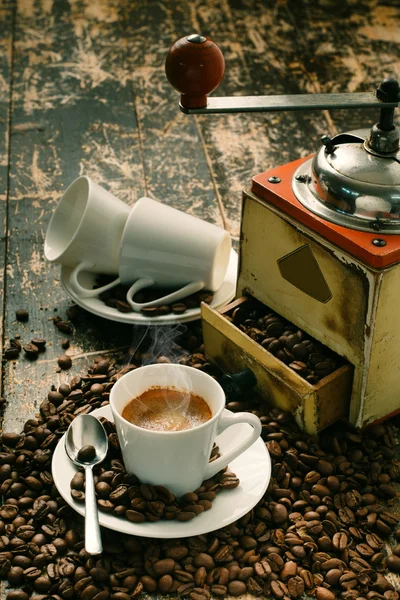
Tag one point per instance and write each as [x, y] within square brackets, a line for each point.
[167, 409]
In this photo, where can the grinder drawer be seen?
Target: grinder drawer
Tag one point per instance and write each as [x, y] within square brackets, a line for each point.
[315, 406]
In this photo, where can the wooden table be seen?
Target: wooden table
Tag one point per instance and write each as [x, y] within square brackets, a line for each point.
[83, 91]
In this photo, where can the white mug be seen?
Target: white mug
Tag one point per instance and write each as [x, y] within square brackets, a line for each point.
[86, 229]
[165, 247]
[178, 460]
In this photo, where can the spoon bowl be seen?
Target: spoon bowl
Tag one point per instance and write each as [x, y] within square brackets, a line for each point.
[86, 430]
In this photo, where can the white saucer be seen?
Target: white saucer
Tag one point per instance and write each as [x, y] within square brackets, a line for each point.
[253, 468]
[223, 296]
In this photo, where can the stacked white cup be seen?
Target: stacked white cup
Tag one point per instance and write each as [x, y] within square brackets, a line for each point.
[148, 245]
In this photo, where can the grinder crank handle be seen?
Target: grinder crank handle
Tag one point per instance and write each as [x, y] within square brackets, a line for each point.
[195, 67]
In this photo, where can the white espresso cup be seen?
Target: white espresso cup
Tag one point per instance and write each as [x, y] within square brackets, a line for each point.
[178, 460]
[86, 229]
[165, 247]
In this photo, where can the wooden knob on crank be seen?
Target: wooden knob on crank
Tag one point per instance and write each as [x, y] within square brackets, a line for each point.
[194, 67]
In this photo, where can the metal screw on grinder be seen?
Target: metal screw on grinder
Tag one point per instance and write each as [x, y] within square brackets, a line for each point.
[274, 179]
[303, 178]
[379, 242]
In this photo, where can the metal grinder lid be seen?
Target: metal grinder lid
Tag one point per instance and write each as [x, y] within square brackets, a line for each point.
[348, 183]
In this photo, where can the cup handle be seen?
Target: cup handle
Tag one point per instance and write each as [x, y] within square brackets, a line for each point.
[140, 284]
[85, 292]
[226, 420]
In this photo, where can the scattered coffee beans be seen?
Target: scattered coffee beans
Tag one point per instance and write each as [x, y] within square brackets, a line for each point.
[320, 529]
[31, 350]
[303, 354]
[116, 298]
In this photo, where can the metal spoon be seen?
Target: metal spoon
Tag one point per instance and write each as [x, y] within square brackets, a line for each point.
[86, 430]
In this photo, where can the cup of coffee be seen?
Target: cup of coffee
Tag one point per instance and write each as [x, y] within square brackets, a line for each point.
[167, 419]
[86, 228]
[164, 247]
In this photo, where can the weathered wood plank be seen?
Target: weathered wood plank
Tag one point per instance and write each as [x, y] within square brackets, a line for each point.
[73, 114]
[7, 12]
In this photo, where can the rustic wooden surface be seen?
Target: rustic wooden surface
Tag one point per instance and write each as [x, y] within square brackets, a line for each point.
[83, 91]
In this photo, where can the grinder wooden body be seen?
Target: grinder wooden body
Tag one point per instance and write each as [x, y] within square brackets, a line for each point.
[351, 306]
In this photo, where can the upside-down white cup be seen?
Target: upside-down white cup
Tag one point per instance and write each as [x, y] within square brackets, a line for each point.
[86, 228]
[178, 460]
[165, 247]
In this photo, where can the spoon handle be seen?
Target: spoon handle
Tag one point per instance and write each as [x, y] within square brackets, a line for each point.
[93, 543]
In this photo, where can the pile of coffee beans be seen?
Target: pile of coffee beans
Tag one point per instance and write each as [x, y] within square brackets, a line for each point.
[320, 529]
[116, 298]
[125, 496]
[303, 354]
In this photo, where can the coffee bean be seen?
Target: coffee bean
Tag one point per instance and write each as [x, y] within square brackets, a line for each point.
[31, 351]
[388, 490]
[64, 362]
[165, 584]
[393, 563]
[279, 589]
[322, 593]
[15, 576]
[236, 588]
[65, 343]
[17, 595]
[340, 541]
[165, 566]
[179, 308]
[40, 344]
[22, 315]
[314, 527]
[279, 514]
[220, 590]
[150, 311]
[295, 586]
[63, 326]
[204, 560]
[86, 454]
[123, 306]
[42, 584]
[289, 570]
[11, 353]
[320, 490]
[333, 576]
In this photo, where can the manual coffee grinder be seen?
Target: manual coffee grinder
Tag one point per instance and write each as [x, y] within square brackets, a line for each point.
[320, 236]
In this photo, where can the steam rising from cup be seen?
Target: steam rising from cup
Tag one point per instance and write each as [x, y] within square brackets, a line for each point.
[161, 345]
